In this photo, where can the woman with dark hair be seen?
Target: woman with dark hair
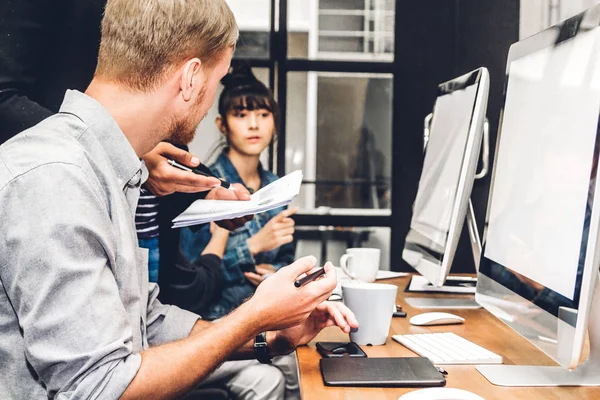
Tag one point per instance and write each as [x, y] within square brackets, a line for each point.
[247, 119]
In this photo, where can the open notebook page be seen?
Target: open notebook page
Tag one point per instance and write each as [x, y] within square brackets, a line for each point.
[276, 194]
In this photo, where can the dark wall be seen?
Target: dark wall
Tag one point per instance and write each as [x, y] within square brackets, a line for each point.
[439, 40]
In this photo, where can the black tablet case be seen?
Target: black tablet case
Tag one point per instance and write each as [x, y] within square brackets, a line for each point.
[380, 372]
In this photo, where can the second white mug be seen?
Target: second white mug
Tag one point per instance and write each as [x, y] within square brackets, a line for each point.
[373, 305]
[361, 263]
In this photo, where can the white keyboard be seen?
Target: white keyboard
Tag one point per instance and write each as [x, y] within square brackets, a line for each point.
[447, 348]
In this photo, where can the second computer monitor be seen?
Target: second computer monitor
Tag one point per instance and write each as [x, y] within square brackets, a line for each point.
[442, 200]
[539, 264]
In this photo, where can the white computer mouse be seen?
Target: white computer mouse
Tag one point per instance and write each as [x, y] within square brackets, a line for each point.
[440, 394]
[436, 318]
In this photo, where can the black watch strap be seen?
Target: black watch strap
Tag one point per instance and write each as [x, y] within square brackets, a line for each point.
[261, 350]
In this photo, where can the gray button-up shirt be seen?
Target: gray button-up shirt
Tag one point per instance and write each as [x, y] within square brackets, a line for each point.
[76, 308]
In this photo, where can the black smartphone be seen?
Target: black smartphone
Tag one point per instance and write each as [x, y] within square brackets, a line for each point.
[339, 349]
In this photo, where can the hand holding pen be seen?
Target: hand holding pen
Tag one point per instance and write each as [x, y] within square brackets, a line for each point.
[203, 170]
[317, 273]
[299, 314]
[163, 179]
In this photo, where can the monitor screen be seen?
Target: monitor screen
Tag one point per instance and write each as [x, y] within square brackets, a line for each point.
[447, 178]
[540, 208]
[441, 167]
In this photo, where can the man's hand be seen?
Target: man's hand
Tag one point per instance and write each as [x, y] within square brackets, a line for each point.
[240, 193]
[165, 179]
[326, 314]
[282, 305]
[277, 232]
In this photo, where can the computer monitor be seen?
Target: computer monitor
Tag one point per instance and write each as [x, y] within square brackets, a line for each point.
[540, 257]
[451, 157]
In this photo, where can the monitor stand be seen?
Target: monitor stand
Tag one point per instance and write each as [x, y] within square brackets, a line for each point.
[587, 374]
[455, 303]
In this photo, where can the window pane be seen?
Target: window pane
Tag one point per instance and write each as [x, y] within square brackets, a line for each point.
[341, 29]
[339, 132]
[538, 15]
[254, 21]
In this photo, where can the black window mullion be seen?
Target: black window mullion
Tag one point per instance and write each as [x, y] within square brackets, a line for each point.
[272, 42]
[283, 65]
[280, 58]
[271, 61]
[343, 220]
[302, 65]
[395, 251]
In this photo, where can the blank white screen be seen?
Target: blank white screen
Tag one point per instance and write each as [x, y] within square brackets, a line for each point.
[444, 158]
[544, 162]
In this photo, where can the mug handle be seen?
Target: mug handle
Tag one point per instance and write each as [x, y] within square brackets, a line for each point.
[343, 262]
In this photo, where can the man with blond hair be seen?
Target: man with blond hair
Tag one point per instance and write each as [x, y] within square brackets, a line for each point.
[78, 318]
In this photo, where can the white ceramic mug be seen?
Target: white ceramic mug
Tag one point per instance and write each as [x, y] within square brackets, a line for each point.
[361, 263]
[373, 304]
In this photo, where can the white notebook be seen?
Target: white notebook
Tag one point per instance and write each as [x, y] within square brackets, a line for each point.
[276, 194]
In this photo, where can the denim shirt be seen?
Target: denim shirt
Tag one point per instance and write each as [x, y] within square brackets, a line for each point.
[237, 258]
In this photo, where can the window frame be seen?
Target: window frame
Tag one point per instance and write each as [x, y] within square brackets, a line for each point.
[280, 65]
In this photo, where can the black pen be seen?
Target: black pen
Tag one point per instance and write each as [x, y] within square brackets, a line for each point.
[310, 277]
[201, 170]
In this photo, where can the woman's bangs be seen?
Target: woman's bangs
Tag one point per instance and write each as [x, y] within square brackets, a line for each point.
[251, 102]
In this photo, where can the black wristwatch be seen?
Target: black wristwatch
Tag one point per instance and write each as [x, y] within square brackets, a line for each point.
[261, 351]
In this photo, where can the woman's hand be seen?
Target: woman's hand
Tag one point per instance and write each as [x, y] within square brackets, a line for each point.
[262, 272]
[277, 232]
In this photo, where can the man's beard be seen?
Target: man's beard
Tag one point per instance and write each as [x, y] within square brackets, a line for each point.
[182, 131]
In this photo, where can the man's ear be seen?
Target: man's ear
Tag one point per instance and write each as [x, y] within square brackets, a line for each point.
[221, 124]
[191, 77]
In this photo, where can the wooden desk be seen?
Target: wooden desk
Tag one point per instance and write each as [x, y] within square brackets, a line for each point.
[480, 327]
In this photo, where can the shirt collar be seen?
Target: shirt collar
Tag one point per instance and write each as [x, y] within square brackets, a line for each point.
[124, 160]
[232, 174]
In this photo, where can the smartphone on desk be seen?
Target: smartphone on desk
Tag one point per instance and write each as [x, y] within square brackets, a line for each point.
[339, 349]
